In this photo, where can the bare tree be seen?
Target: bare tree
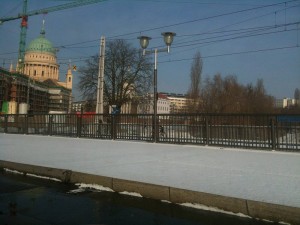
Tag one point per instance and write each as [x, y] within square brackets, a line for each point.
[127, 74]
[88, 78]
[297, 96]
[262, 102]
[222, 94]
[195, 87]
[226, 95]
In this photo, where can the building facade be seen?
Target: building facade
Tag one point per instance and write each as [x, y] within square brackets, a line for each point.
[178, 102]
[35, 86]
[285, 103]
[146, 105]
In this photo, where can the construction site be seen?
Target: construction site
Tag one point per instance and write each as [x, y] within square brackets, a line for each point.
[19, 94]
[34, 85]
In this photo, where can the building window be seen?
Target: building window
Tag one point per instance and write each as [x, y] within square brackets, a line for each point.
[42, 73]
[34, 73]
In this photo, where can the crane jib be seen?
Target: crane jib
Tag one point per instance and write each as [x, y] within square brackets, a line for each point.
[24, 23]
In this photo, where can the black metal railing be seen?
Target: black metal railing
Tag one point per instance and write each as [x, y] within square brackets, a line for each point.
[275, 132]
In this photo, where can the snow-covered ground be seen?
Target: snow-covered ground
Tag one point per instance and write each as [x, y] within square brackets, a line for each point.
[266, 176]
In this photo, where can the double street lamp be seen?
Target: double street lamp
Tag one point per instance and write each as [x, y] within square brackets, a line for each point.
[144, 42]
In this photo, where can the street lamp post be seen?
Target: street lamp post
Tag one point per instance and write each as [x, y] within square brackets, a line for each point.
[144, 42]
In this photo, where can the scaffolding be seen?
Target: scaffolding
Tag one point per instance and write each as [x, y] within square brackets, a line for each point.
[40, 97]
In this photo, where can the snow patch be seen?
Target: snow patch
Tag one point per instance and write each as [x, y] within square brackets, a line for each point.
[93, 186]
[75, 191]
[31, 175]
[131, 194]
[284, 223]
[165, 201]
[270, 221]
[13, 171]
[213, 209]
[265, 220]
[43, 177]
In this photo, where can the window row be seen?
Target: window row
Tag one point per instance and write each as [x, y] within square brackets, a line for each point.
[42, 57]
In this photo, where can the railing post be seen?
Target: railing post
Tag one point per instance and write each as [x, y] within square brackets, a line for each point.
[207, 130]
[79, 125]
[26, 124]
[50, 120]
[273, 139]
[5, 123]
[99, 126]
[155, 132]
[113, 127]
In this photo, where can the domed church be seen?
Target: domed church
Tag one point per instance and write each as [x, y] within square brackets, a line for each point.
[40, 61]
[36, 87]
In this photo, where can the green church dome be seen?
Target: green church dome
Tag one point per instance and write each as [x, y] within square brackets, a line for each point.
[41, 44]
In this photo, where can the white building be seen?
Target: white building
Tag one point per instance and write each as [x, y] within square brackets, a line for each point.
[163, 105]
[285, 103]
[178, 102]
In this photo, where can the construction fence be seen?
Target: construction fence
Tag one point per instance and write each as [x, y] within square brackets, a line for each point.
[251, 131]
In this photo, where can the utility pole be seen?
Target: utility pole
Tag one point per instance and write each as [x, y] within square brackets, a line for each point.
[99, 107]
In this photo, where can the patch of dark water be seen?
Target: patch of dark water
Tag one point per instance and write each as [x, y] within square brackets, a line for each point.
[25, 200]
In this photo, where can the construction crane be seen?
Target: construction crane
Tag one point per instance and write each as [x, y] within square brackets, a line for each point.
[24, 22]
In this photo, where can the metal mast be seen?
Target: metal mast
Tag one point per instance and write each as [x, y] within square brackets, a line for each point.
[22, 43]
[100, 86]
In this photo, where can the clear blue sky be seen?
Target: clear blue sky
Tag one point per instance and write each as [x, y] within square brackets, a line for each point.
[250, 39]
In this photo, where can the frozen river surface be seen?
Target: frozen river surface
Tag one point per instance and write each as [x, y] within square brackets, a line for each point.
[266, 176]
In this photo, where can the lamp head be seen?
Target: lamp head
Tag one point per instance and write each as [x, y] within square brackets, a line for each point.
[168, 37]
[144, 41]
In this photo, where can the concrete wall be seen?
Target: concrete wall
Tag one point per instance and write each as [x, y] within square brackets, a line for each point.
[251, 208]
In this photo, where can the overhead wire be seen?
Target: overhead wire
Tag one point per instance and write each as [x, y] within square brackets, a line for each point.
[181, 23]
[204, 18]
[69, 46]
[199, 42]
[245, 35]
[196, 2]
[232, 53]
[217, 55]
[238, 31]
[250, 19]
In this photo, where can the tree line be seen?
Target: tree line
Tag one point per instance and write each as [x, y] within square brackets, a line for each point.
[128, 76]
[219, 94]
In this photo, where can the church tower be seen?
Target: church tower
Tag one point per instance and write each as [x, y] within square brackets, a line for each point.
[69, 78]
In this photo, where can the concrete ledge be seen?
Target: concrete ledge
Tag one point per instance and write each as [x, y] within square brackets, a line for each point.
[147, 190]
[60, 174]
[274, 212]
[78, 177]
[254, 209]
[235, 205]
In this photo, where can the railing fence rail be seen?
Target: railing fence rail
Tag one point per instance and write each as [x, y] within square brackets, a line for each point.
[274, 132]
